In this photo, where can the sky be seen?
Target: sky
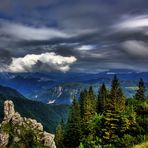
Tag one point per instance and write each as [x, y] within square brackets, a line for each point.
[73, 35]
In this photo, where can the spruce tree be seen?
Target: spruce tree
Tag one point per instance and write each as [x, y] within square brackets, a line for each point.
[82, 99]
[59, 135]
[102, 99]
[87, 103]
[116, 100]
[140, 94]
[115, 106]
[110, 126]
[73, 128]
[87, 109]
[92, 98]
[120, 102]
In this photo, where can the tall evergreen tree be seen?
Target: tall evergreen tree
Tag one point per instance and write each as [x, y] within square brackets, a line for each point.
[140, 94]
[120, 102]
[102, 99]
[116, 100]
[110, 126]
[73, 129]
[87, 103]
[114, 106]
[88, 113]
[92, 98]
[59, 135]
[87, 108]
[82, 99]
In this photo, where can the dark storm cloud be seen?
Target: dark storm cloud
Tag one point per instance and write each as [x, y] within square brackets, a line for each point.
[98, 34]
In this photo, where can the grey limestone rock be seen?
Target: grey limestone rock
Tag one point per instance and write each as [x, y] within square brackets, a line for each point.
[19, 125]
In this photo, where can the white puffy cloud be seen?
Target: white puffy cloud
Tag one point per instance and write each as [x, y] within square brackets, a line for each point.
[136, 48]
[43, 62]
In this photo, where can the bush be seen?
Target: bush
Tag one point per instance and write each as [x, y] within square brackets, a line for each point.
[126, 142]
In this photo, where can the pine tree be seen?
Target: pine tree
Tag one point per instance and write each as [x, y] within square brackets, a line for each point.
[116, 101]
[110, 126]
[88, 113]
[140, 94]
[87, 103]
[73, 129]
[59, 135]
[102, 99]
[87, 108]
[113, 93]
[120, 102]
[92, 98]
[114, 107]
[82, 99]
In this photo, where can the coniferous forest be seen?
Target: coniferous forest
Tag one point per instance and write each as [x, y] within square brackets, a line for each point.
[107, 119]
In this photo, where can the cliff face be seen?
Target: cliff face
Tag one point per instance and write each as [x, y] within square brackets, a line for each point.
[21, 131]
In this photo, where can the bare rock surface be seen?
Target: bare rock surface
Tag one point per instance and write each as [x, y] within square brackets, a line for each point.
[22, 130]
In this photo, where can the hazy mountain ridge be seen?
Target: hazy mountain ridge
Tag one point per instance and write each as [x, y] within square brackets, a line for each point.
[60, 88]
[48, 115]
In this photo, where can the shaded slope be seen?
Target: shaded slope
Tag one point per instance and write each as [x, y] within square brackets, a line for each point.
[48, 115]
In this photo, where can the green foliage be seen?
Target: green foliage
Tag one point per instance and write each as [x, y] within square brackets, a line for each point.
[102, 99]
[127, 141]
[6, 128]
[48, 115]
[116, 100]
[87, 104]
[81, 145]
[82, 101]
[115, 122]
[91, 143]
[140, 92]
[87, 110]
[73, 128]
[92, 98]
[27, 136]
[110, 126]
[59, 135]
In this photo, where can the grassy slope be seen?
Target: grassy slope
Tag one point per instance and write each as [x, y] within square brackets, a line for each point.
[142, 145]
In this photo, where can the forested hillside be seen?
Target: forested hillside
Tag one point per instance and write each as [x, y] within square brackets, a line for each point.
[48, 115]
[106, 120]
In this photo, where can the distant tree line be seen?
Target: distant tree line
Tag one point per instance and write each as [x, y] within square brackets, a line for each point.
[106, 120]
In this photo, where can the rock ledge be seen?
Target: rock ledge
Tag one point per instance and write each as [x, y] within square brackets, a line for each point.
[15, 129]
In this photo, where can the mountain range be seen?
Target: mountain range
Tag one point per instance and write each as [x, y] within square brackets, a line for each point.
[60, 88]
[48, 114]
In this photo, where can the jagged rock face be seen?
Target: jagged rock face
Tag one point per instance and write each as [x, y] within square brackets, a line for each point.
[21, 128]
[8, 110]
[4, 139]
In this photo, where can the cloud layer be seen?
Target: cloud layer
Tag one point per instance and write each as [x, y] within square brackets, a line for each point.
[133, 23]
[136, 48]
[22, 32]
[95, 35]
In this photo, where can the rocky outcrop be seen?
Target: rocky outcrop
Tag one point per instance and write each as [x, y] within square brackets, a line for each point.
[8, 110]
[17, 130]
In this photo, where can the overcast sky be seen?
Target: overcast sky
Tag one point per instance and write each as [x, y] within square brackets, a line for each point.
[73, 35]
